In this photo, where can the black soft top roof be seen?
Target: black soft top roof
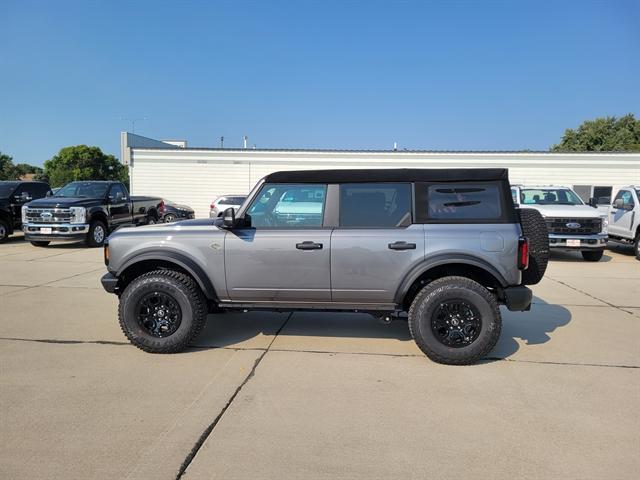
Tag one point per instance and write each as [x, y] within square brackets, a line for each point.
[390, 175]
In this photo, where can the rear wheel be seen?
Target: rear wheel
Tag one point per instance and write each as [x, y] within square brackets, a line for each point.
[4, 231]
[535, 229]
[455, 321]
[97, 234]
[592, 255]
[162, 311]
[40, 243]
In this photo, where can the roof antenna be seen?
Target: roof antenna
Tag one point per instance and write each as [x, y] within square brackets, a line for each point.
[245, 140]
[395, 146]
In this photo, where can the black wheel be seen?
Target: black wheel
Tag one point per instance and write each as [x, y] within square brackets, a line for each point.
[637, 246]
[152, 220]
[97, 234]
[162, 311]
[592, 255]
[170, 217]
[4, 231]
[535, 229]
[455, 321]
[40, 243]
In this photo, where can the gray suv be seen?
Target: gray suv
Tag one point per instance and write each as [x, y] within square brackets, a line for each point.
[447, 247]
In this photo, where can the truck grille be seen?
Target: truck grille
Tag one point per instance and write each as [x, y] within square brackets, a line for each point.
[563, 226]
[48, 215]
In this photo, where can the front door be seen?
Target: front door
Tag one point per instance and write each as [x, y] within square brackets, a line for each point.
[284, 256]
[119, 206]
[621, 219]
[376, 243]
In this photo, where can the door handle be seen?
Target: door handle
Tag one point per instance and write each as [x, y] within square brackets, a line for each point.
[402, 246]
[309, 246]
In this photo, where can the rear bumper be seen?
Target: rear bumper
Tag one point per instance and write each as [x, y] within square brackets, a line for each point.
[518, 298]
[110, 283]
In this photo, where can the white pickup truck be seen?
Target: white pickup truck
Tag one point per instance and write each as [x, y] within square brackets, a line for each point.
[624, 218]
[572, 224]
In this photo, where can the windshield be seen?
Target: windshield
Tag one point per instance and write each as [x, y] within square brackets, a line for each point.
[83, 190]
[549, 196]
[6, 189]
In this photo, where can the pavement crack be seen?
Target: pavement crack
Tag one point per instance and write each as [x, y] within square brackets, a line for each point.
[591, 296]
[209, 430]
[539, 362]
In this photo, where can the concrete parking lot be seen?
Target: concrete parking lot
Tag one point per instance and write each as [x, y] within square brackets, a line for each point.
[315, 395]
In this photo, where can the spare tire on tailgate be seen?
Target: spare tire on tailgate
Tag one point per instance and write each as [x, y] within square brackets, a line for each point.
[535, 229]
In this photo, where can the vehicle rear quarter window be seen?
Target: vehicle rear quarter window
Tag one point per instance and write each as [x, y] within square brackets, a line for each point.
[375, 205]
[460, 202]
[288, 206]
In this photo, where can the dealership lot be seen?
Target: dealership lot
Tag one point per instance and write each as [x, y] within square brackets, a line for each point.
[315, 395]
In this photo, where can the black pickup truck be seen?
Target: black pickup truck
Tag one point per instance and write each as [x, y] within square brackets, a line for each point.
[86, 210]
[13, 195]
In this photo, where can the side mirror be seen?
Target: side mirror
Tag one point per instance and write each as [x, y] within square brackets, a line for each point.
[618, 203]
[49, 194]
[593, 202]
[229, 218]
[24, 197]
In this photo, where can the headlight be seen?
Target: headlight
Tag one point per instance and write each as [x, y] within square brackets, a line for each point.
[24, 214]
[78, 214]
[605, 225]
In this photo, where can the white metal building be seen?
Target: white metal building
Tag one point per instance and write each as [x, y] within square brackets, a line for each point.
[195, 176]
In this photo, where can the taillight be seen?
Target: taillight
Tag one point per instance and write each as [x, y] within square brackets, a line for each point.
[161, 207]
[523, 253]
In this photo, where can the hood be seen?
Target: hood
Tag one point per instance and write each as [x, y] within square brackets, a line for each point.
[63, 202]
[573, 211]
[167, 228]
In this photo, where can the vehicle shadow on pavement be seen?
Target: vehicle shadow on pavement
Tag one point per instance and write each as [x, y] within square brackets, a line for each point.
[575, 257]
[622, 249]
[532, 327]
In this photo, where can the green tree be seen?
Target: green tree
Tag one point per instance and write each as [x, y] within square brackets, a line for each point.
[609, 134]
[7, 168]
[81, 162]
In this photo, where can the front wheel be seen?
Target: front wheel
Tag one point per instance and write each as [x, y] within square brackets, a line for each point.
[162, 311]
[455, 321]
[97, 234]
[170, 217]
[637, 246]
[4, 231]
[592, 255]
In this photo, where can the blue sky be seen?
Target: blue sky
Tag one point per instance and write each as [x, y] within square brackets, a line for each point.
[344, 74]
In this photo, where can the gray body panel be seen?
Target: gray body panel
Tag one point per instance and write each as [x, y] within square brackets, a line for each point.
[265, 265]
[365, 269]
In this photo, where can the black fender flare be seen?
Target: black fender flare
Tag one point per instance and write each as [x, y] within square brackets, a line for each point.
[177, 258]
[444, 259]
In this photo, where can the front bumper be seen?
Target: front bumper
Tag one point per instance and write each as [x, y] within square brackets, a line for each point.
[54, 231]
[587, 242]
[518, 298]
[110, 283]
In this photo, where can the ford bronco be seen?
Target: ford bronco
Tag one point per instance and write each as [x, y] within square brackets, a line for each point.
[444, 247]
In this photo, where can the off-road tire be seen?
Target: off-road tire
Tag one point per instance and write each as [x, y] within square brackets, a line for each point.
[535, 229]
[592, 255]
[91, 241]
[449, 288]
[40, 243]
[4, 231]
[185, 292]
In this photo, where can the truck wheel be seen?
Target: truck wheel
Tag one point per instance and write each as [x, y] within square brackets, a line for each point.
[97, 234]
[637, 246]
[535, 229]
[592, 255]
[455, 321]
[40, 243]
[4, 231]
[162, 311]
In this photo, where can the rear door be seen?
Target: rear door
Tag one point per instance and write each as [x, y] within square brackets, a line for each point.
[375, 244]
[284, 255]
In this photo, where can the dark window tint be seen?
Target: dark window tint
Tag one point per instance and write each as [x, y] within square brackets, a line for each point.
[375, 204]
[117, 192]
[288, 206]
[232, 201]
[464, 201]
[626, 197]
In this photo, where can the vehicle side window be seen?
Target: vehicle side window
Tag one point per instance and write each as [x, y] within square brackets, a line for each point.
[375, 205]
[627, 198]
[514, 195]
[463, 201]
[288, 206]
[117, 192]
[41, 190]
